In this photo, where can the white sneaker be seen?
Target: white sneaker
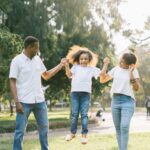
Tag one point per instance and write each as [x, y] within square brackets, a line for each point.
[69, 137]
[83, 140]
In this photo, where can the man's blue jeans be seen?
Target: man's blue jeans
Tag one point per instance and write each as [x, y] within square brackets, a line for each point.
[80, 104]
[122, 112]
[40, 112]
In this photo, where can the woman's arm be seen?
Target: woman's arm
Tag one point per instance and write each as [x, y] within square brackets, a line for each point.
[135, 82]
[104, 77]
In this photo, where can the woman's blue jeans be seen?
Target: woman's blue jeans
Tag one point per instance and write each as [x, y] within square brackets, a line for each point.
[80, 104]
[40, 112]
[122, 111]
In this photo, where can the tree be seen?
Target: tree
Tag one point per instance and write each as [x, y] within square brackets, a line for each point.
[10, 45]
[59, 25]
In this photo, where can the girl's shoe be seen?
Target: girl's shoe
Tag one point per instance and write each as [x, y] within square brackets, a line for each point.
[83, 140]
[69, 137]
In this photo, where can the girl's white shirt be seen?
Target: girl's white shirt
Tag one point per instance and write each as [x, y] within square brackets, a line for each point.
[121, 81]
[82, 78]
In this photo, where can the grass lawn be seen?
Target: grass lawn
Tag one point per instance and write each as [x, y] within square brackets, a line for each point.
[58, 118]
[55, 116]
[138, 141]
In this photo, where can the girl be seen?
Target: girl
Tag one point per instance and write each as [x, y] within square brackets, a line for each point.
[125, 79]
[82, 72]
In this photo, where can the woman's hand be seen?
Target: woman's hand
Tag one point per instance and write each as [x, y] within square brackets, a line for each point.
[131, 67]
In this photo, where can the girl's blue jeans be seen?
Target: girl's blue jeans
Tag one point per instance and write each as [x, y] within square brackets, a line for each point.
[80, 104]
[122, 111]
[40, 112]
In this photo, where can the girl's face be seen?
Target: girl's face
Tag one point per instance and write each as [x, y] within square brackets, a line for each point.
[123, 64]
[84, 59]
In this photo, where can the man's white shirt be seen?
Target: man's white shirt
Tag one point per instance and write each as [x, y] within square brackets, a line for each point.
[27, 73]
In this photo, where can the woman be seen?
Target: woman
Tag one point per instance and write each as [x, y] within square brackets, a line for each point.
[125, 80]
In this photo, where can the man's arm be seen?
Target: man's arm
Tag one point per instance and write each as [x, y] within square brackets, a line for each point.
[13, 88]
[50, 73]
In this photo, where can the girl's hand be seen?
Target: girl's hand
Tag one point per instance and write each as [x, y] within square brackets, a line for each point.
[106, 60]
[131, 67]
[64, 61]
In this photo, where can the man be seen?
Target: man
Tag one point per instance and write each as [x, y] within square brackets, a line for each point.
[25, 82]
[148, 106]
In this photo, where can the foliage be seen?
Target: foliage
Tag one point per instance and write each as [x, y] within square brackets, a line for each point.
[10, 45]
[59, 25]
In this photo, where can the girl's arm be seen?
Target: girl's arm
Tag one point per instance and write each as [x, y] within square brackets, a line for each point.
[135, 82]
[104, 77]
[68, 71]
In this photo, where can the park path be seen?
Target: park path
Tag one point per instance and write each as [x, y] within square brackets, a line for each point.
[139, 123]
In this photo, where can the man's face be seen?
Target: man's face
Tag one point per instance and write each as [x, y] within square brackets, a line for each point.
[34, 49]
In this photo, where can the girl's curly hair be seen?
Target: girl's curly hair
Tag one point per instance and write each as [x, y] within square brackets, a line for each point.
[75, 53]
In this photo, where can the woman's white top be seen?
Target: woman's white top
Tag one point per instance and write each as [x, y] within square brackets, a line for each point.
[82, 78]
[121, 81]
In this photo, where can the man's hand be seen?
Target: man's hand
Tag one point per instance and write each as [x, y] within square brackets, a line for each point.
[19, 108]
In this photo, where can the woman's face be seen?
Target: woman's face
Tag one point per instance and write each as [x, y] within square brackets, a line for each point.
[84, 59]
[123, 64]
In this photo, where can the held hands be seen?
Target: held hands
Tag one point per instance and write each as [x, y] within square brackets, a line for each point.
[64, 62]
[106, 60]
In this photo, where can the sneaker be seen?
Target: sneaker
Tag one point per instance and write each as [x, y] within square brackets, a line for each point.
[69, 137]
[83, 140]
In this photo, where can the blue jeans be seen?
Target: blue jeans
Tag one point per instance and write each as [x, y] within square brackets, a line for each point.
[80, 104]
[40, 112]
[122, 112]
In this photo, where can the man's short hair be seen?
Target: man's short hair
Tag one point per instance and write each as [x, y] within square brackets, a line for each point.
[30, 41]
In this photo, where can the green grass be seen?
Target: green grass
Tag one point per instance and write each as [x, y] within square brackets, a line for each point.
[54, 116]
[137, 141]
[58, 118]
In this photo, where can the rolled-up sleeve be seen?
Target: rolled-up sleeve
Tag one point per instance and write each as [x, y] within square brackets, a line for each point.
[96, 72]
[14, 69]
[42, 67]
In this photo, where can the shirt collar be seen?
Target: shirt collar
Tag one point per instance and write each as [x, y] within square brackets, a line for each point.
[26, 57]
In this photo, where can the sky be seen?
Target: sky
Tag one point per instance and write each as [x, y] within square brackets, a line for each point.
[135, 12]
